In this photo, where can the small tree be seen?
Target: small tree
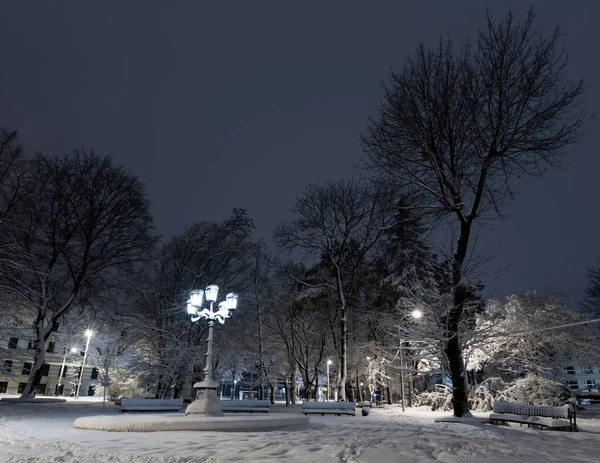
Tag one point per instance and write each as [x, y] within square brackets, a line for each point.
[462, 129]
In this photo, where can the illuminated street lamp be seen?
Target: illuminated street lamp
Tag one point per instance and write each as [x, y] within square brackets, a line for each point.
[329, 362]
[206, 401]
[62, 368]
[88, 334]
[415, 314]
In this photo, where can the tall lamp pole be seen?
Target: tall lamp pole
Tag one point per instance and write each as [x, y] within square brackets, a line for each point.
[329, 362]
[88, 335]
[416, 314]
[62, 369]
[206, 401]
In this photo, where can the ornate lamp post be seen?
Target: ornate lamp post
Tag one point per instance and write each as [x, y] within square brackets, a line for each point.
[207, 402]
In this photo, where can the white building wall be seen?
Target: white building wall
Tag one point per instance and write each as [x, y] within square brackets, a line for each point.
[12, 382]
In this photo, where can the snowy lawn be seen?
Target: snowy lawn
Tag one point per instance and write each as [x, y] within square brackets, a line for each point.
[44, 432]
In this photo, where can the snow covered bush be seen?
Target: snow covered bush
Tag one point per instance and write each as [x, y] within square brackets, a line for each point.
[536, 390]
[482, 396]
[436, 400]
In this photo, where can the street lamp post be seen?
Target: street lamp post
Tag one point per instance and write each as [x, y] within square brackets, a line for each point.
[206, 401]
[62, 369]
[88, 335]
[329, 362]
[370, 383]
[416, 314]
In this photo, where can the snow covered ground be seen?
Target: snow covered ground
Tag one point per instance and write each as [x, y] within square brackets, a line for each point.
[44, 433]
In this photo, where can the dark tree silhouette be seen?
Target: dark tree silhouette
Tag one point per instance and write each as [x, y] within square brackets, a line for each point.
[462, 128]
[339, 223]
[79, 220]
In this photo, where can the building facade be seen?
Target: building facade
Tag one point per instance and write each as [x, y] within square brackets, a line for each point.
[60, 373]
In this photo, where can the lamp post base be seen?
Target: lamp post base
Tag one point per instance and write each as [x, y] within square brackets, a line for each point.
[207, 403]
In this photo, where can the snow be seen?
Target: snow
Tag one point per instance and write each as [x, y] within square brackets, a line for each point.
[181, 422]
[45, 433]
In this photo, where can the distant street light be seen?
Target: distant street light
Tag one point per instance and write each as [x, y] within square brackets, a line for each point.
[329, 362]
[206, 401]
[416, 314]
[62, 369]
[88, 334]
[370, 378]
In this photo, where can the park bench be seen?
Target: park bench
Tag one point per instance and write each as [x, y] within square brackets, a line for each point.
[329, 408]
[245, 406]
[533, 415]
[156, 405]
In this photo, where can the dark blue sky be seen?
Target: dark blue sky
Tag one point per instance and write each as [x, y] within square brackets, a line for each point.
[218, 105]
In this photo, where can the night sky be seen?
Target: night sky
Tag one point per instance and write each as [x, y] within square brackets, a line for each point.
[229, 104]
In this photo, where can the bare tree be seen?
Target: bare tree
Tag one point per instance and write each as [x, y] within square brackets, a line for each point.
[591, 297]
[79, 220]
[462, 129]
[205, 253]
[338, 223]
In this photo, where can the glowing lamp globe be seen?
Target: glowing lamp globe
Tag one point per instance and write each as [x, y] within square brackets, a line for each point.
[211, 293]
[231, 300]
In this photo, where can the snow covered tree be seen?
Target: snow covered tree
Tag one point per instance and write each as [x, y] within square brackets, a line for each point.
[80, 219]
[461, 129]
[530, 334]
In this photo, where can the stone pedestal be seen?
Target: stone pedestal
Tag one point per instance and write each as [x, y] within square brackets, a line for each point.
[207, 403]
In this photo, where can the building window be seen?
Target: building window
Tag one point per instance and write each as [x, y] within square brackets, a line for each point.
[13, 343]
[573, 385]
[3, 387]
[45, 369]
[26, 368]
[94, 373]
[30, 344]
[590, 383]
[21, 388]
[8, 365]
[64, 371]
[50, 347]
[570, 370]
[41, 389]
[91, 391]
[587, 371]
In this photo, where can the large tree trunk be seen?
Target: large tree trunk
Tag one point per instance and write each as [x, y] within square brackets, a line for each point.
[344, 352]
[293, 388]
[35, 375]
[453, 346]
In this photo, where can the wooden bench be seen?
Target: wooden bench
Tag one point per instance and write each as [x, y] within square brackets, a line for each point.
[532, 415]
[245, 406]
[329, 408]
[155, 405]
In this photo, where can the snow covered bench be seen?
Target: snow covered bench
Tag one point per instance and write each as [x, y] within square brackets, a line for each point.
[329, 408]
[156, 405]
[245, 406]
[532, 415]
